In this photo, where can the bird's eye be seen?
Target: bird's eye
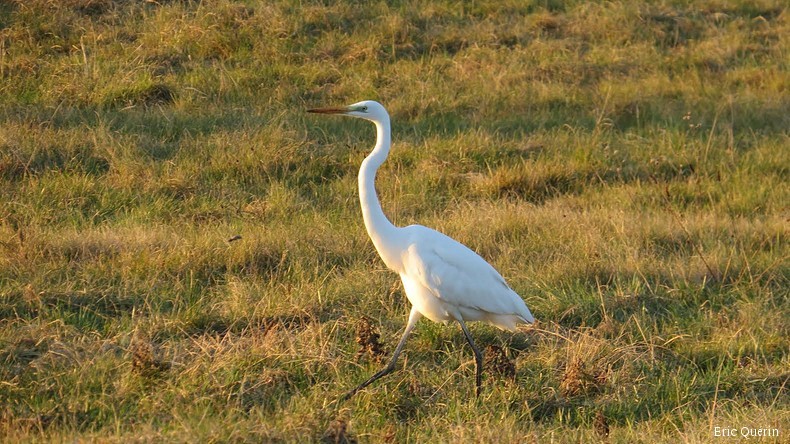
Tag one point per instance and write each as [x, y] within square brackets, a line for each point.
[364, 108]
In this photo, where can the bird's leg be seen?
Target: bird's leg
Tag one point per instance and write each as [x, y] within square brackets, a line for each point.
[414, 316]
[478, 357]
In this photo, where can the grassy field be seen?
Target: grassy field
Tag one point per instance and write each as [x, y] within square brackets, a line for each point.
[623, 164]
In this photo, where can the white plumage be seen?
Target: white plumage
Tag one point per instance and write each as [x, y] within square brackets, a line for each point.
[464, 286]
[443, 279]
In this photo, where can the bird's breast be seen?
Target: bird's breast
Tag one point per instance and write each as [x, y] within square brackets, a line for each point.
[425, 301]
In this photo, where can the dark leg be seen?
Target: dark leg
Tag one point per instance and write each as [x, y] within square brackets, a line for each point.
[478, 358]
[414, 316]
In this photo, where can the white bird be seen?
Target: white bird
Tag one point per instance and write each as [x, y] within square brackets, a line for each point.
[443, 279]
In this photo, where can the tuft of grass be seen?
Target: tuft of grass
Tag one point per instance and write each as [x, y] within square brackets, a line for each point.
[496, 361]
[368, 340]
[141, 95]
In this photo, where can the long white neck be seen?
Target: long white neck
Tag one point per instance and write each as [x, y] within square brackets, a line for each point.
[381, 231]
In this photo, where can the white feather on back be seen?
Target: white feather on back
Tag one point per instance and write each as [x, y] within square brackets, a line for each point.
[464, 283]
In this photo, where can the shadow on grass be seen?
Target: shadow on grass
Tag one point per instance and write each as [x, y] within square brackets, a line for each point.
[87, 312]
[159, 129]
[211, 324]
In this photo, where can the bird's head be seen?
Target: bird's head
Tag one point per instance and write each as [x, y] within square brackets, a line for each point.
[366, 109]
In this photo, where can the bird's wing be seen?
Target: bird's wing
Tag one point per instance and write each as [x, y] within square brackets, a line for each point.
[457, 275]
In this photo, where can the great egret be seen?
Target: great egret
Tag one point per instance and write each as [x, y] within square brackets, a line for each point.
[443, 279]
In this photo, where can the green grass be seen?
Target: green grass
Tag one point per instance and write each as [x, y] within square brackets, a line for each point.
[623, 164]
